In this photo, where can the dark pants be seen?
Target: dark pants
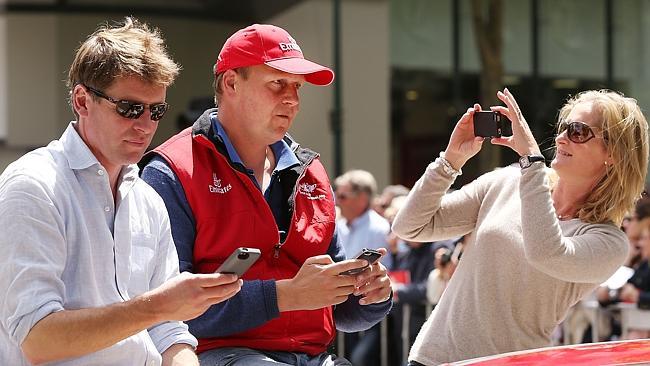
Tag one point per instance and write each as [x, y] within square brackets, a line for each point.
[235, 356]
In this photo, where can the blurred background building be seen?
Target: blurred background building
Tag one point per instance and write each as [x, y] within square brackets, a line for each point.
[406, 68]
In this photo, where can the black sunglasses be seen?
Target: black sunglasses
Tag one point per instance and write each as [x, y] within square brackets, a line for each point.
[132, 110]
[578, 132]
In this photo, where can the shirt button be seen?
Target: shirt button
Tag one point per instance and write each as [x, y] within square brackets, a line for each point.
[107, 209]
[100, 172]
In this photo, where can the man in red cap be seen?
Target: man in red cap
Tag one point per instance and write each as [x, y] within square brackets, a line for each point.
[237, 179]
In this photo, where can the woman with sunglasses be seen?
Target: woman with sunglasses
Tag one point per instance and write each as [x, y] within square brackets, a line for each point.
[537, 245]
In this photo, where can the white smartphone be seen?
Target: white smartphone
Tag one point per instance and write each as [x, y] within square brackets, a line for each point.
[239, 261]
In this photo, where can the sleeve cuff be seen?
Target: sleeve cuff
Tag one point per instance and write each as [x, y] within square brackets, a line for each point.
[19, 330]
[436, 170]
[270, 299]
[165, 335]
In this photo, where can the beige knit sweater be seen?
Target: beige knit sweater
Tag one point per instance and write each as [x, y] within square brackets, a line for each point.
[521, 270]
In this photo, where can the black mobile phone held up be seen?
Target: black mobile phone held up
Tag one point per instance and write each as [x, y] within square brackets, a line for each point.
[369, 255]
[239, 261]
[491, 124]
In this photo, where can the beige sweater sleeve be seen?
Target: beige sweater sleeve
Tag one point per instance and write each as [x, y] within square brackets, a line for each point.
[577, 252]
[430, 215]
[574, 252]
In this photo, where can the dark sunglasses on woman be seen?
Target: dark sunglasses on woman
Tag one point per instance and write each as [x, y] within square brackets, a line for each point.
[578, 132]
[132, 110]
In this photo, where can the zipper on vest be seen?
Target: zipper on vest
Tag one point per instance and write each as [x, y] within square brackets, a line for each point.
[276, 250]
[278, 246]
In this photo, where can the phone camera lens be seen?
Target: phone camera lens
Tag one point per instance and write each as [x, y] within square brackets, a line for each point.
[242, 256]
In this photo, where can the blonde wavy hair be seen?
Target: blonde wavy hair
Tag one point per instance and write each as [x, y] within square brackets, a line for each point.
[625, 132]
[128, 48]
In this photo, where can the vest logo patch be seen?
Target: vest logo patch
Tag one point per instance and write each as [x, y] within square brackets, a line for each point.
[308, 190]
[216, 187]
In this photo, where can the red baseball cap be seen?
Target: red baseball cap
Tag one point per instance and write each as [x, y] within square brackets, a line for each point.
[273, 46]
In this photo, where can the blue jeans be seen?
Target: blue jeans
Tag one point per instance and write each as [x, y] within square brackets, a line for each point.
[241, 356]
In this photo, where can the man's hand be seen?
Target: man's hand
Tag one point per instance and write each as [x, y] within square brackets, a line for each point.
[373, 284]
[318, 284]
[188, 295]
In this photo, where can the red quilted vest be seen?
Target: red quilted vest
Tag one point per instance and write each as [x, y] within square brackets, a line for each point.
[230, 212]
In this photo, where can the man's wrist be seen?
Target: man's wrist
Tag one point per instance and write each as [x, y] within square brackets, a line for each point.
[283, 295]
[144, 308]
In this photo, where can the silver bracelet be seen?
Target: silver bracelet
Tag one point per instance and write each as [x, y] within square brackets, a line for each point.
[446, 166]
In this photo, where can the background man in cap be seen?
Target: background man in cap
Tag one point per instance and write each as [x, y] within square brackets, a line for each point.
[236, 178]
[89, 272]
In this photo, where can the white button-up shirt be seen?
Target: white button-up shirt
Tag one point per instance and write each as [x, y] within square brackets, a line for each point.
[67, 244]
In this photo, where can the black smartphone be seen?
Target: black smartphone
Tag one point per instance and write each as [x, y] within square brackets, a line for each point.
[239, 261]
[491, 124]
[369, 255]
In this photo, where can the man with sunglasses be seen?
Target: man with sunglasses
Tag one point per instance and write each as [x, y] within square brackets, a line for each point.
[89, 271]
[236, 178]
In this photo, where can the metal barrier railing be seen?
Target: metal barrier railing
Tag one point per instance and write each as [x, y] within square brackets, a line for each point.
[383, 330]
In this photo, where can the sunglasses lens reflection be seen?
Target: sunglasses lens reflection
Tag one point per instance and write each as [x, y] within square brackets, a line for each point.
[158, 111]
[134, 110]
[578, 132]
[129, 110]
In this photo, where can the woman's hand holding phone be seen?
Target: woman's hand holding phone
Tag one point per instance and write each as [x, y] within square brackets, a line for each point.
[463, 144]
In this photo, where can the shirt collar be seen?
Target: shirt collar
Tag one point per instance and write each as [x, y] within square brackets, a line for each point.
[80, 157]
[285, 157]
[75, 149]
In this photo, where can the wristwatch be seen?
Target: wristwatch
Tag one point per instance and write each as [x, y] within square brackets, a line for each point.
[528, 160]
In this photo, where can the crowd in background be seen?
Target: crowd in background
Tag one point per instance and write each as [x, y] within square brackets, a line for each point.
[419, 271]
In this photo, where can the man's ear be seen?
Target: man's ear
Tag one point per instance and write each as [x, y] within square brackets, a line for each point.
[79, 100]
[229, 80]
